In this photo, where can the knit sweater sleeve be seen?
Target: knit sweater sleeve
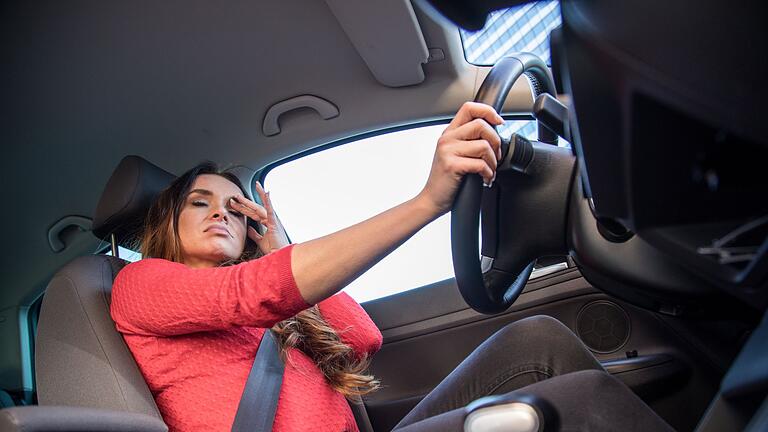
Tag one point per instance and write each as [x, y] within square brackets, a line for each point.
[156, 297]
[352, 323]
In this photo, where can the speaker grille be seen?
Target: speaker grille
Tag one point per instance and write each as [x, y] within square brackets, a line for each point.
[603, 326]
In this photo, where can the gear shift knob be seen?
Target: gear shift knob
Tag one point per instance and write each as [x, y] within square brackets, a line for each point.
[512, 412]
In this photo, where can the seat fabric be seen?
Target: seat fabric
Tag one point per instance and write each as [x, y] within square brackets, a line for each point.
[80, 358]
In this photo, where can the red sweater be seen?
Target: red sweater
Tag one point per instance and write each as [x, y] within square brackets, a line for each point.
[194, 334]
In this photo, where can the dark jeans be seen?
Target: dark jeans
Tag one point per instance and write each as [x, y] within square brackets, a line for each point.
[539, 356]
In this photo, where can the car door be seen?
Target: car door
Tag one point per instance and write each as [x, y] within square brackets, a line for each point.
[412, 297]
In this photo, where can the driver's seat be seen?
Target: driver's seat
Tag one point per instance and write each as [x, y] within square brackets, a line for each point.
[87, 379]
[80, 358]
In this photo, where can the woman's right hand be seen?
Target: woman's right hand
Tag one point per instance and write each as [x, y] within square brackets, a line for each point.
[469, 145]
[275, 237]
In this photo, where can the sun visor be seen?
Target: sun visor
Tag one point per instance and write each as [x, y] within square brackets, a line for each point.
[387, 37]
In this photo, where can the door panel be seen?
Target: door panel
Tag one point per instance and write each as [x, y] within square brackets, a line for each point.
[440, 305]
[429, 331]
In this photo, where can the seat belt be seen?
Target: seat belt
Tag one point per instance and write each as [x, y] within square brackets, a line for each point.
[258, 404]
[360, 414]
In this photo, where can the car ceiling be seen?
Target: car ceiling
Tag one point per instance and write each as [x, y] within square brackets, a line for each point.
[176, 82]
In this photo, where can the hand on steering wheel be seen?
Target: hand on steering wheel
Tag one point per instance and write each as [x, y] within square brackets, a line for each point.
[469, 145]
[523, 214]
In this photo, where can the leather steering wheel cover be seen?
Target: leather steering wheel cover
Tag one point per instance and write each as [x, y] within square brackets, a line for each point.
[495, 290]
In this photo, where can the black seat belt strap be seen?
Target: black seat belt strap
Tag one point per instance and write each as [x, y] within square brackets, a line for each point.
[361, 414]
[258, 404]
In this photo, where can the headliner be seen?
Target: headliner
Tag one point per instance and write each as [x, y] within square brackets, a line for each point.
[88, 82]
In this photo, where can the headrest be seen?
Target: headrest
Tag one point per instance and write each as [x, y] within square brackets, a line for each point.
[126, 198]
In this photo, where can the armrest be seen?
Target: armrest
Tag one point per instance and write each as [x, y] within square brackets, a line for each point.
[60, 419]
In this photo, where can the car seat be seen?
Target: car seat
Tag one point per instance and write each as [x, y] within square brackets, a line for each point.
[87, 379]
[81, 361]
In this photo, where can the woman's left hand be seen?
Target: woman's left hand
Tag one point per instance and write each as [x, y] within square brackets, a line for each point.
[275, 237]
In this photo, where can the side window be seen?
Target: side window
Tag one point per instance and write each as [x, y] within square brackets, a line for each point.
[126, 254]
[332, 189]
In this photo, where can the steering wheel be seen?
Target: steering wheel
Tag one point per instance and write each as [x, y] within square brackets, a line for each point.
[524, 212]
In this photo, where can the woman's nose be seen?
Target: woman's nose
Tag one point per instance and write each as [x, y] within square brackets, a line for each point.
[220, 213]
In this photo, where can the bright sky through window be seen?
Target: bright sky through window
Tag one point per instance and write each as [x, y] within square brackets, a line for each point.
[332, 189]
[335, 188]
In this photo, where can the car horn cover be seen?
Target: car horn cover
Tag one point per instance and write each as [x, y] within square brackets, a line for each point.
[524, 212]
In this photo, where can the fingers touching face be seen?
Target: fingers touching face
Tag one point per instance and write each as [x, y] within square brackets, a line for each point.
[249, 208]
[262, 214]
[210, 228]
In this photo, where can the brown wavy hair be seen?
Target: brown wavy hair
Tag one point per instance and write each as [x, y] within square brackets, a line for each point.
[306, 331]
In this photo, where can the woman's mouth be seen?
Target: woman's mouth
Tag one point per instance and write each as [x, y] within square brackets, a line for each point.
[218, 229]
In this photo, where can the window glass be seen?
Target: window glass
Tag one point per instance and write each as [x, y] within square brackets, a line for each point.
[528, 129]
[522, 28]
[332, 189]
[126, 254]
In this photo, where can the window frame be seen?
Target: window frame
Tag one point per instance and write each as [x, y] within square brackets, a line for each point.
[261, 174]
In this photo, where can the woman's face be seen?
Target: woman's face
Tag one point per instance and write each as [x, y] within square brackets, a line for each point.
[210, 231]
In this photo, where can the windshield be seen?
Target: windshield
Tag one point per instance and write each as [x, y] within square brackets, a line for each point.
[518, 29]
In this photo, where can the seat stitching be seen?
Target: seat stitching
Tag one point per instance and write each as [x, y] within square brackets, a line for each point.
[107, 264]
[104, 299]
[90, 323]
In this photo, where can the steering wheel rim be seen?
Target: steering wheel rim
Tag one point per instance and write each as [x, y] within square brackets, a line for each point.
[486, 288]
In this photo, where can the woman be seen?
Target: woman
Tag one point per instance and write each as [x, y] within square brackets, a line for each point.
[193, 313]
[194, 318]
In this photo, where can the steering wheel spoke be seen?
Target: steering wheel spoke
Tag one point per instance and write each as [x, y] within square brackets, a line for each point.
[530, 192]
